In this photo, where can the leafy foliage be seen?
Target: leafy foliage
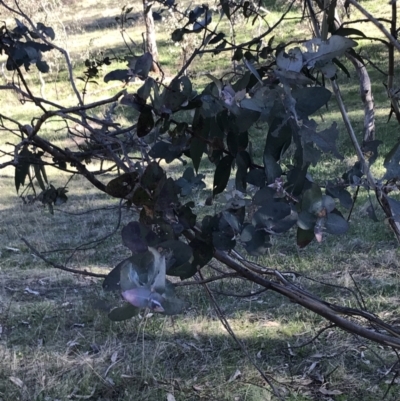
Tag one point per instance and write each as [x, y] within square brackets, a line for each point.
[22, 48]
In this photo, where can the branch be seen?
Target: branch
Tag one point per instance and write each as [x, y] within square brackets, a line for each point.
[6, 164]
[67, 156]
[311, 303]
[75, 110]
[333, 313]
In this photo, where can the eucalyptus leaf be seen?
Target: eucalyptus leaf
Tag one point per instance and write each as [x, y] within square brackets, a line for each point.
[306, 220]
[137, 237]
[392, 163]
[197, 147]
[256, 177]
[222, 174]
[310, 99]
[340, 193]
[320, 51]
[336, 224]
[325, 140]
[143, 65]
[267, 215]
[125, 312]
[22, 169]
[182, 254]
[304, 237]
[290, 61]
[202, 253]
[123, 185]
[222, 241]
[312, 199]
[259, 245]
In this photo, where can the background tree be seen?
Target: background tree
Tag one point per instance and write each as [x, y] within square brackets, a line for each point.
[151, 43]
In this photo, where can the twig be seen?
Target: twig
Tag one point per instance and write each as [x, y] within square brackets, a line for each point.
[84, 247]
[229, 294]
[352, 135]
[61, 267]
[68, 156]
[315, 337]
[207, 280]
[353, 203]
[359, 291]
[366, 57]
[75, 109]
[228, 328]
[394, 378]
[86, 212]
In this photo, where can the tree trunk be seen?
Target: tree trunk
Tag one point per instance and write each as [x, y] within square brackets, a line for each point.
[366, 97]
[151, 44]
[365, 85]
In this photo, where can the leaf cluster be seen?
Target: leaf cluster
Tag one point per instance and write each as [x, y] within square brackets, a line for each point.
[24, 46]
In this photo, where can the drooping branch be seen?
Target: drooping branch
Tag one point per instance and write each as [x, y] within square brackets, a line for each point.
[316, 305]
[68, 157]
[333, 313]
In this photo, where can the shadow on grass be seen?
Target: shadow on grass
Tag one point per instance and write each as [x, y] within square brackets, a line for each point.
[58, 334]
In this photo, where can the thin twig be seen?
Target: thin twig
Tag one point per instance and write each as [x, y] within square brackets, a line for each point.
[86, 212]
[230, 294]
[228, 328]
[353, 203]
[61, 267]
[207, 280]
[359, 291]
[84, 247]
[315, 337]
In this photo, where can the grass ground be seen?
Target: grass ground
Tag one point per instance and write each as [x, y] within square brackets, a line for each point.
[56, 342]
